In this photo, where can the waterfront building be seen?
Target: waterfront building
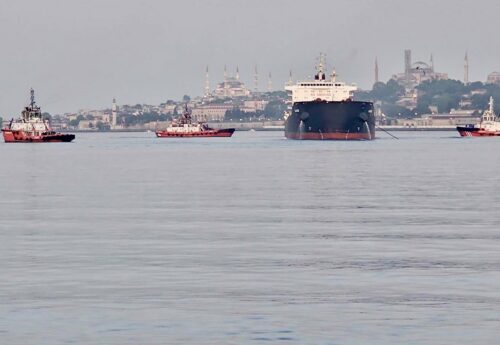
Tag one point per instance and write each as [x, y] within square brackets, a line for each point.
[210, 112]
[252, 106]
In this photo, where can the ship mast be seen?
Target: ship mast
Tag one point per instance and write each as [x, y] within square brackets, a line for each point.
[489, 115]
[32, 94]
[321, 68]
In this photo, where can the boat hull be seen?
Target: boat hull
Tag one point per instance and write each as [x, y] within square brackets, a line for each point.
[216, 133]
[13, 136]
[471, 131]
[321, 120]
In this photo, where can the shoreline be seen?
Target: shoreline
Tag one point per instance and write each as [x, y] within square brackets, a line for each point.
[253, 127]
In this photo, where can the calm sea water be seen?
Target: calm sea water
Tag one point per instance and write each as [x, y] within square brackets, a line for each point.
[124, 238]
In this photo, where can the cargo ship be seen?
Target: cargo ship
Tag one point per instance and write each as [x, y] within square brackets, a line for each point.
[31, 127]
[489, 126]
[324, 109]
[183, 127]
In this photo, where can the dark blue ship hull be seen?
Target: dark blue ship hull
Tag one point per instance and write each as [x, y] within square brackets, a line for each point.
[322, 120]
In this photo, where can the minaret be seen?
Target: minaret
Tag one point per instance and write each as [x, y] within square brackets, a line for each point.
[269, 83]
[114, 113]
[237, 73]
[466, 69]
[207, 84]
[376, 71]
[432, 63]
[226, 85]
[407, 61]
[407, 67]
[290, 80]
[256, 80]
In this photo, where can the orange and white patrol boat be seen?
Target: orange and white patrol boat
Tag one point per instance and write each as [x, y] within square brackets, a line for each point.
[32, 128]
[185, 128]
[489, 126]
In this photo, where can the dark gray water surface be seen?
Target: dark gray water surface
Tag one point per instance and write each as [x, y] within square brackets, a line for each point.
[124, 238]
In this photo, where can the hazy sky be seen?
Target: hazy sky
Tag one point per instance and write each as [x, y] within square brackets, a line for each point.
[82, 53]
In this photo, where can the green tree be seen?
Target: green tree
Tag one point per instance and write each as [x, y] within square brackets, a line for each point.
[389, 92]
[235, 114]
[76, 121]
[102, 126]
[274, 109]
[423, 103]
[397, 111]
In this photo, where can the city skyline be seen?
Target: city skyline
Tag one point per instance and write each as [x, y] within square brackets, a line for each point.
[83, 54]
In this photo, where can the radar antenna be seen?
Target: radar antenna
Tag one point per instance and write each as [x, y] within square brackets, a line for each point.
[32, 97]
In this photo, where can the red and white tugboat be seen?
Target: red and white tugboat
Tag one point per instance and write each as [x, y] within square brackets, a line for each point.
[184, 128]
[488, 127]
[32, 128]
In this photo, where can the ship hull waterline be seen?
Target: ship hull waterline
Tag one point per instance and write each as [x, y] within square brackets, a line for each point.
[219, 133]
[13, 136]
[476, 132]
[322, 120]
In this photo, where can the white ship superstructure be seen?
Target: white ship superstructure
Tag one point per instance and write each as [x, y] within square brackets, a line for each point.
[185, 128]
[488, 127]
[490, 121]
[321, 89]
[31, 120]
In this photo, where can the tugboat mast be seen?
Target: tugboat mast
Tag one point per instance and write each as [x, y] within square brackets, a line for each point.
[32, 93]
[489, 115]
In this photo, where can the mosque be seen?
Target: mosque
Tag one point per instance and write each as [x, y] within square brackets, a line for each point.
[417, 72]
[231, 87]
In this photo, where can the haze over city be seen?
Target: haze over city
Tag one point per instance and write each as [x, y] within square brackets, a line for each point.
[81, 54]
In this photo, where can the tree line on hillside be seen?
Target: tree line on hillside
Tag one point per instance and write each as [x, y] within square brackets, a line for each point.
[124, 119]
[274, 110]
[442, 94]
[131, 120]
